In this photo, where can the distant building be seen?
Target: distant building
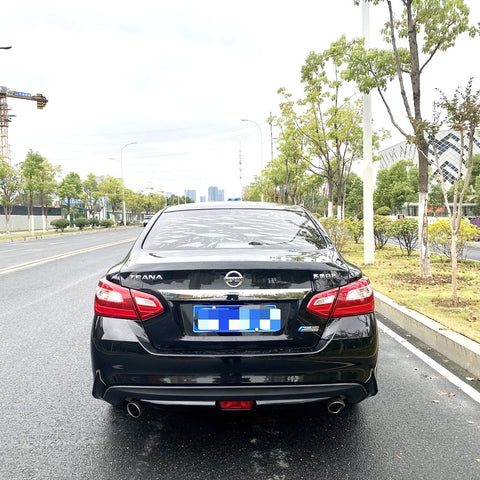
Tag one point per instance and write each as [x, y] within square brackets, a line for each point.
[202, 198]
[448, 149]
[215, 194]
[191, 194]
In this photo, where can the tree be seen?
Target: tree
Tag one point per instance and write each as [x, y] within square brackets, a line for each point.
[153, 202]
[112, 188]
[395, 186]
[435, 198]
[475, 170]
[30, 170]
[91, 194]
[177, 200]
[462, 114]
[70, 189]
[331, 123]
[10, 182]
[477, 189]
[289, 169]
[46, 187]
[134, 203]
[354, 197]
[428, 27]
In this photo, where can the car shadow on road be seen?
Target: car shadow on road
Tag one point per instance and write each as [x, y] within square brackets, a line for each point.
[212, 444]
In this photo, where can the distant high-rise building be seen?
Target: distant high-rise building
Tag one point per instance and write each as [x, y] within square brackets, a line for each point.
[191, 194]
[202, 198]
[215, 194]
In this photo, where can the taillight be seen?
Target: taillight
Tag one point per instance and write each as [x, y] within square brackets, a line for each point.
[112, 300]
[356, 298]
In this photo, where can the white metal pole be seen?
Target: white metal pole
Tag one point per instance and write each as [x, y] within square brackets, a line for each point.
[123, 181]
[368, 237]
[261, 152]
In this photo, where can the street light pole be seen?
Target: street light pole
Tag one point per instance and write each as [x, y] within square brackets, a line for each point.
[261, 152]
[123, 183]
[368, 237]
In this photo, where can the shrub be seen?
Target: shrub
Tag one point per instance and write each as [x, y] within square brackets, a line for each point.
[94, 222]
[337, 230]
[405, 230]
[355, 227]
[381, 230]
[384, 211]
[440, 237]
[107, 223]
[60, 224]
[81, 222]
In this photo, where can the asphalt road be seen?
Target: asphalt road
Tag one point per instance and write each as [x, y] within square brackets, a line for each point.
[420, 425]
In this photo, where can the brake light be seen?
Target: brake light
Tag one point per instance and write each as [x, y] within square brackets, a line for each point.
[112, 300]
[356, 298]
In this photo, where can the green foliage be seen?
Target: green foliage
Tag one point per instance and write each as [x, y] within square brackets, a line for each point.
[70, 189]
[176, 200]
[354, 197]
[60, 224]
[107, 223]
[384, 211]
[38, 179]
[405, 230]
[396, 185]
[113, 189]
[436, 198]
[355, 228]
[93, 222]
[440, 236]
[10, 183]
[153, 202]
[381, 230]
[81, 222]
[91, 194]
[337, 231]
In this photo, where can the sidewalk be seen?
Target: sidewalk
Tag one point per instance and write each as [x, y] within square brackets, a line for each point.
[457, 348]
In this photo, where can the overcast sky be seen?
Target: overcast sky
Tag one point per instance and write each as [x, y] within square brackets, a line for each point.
[176, 77]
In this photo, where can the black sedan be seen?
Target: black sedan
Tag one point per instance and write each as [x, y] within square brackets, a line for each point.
[236, 305]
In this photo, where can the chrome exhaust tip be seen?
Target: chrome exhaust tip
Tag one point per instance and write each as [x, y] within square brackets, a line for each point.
[335, 406]
[135, 408]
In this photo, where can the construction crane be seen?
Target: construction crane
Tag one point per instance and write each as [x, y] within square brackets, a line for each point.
[5, 117]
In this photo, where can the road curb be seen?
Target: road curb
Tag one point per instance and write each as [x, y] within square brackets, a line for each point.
[456, 347]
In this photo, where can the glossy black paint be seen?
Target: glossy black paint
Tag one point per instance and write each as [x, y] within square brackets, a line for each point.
[163, 360]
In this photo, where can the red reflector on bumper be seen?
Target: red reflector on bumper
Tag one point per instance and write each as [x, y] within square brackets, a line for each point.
[236, 404]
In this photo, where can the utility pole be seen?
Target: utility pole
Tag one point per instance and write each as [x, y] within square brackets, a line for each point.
[368, 237]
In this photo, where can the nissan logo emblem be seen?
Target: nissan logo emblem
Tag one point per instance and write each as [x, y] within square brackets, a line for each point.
[233, 279]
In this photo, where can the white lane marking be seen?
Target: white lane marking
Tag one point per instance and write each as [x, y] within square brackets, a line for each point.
[41, 261]
[467, 389]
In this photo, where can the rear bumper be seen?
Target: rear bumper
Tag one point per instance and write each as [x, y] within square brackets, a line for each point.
[261, 394]
[125, 369]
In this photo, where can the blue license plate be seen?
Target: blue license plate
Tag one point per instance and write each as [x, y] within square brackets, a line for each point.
[236, 318]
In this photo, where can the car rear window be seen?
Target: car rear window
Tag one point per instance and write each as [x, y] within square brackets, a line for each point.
[234, 228]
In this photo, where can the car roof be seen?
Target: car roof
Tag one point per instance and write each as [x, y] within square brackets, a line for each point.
[233, 205]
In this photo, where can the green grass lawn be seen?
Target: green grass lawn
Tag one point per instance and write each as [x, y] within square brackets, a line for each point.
[396, 276]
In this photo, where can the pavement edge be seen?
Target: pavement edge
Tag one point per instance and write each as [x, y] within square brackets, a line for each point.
[456, 347]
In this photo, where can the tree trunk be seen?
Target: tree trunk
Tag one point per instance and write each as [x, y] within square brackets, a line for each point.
[454, 258]
[424, 254]
[330, 198]
[31, 219]
[7, 220]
